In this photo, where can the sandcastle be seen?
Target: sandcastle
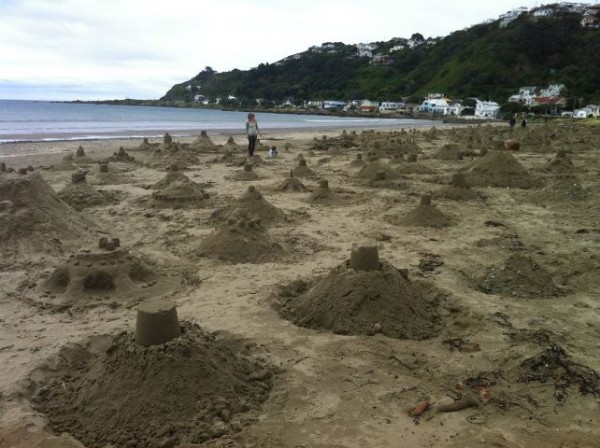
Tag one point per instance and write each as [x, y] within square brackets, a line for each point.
[156, 322]
[291, 184]
[179, 192]
[302, 170]
[363, 296]
[165, 384]
[499, 169]
[108, 273]
[424, 215]
[251, 203]
[519, 276]
[79, 195]
[245, 175]
[242, 239]
[121, 156]
[174, 174]
[563, 189]
[377, 171]
[358, 162]
[34, 216]
[171, 153]
[561, 163]
[203, 143]
[457, 190]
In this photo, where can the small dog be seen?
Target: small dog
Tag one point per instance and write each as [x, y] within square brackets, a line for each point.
[272, 152]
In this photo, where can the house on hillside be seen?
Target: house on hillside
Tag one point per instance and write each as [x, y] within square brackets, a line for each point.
[333, 104]
[365, 50]
[551, 101]
[486, 109]
[369, 106]
[392, 106]
[553, 90]
[437, 104]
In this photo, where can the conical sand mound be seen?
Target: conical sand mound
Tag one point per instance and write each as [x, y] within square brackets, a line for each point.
[181, 192]
[302, 170]
[253, 204]
[245, 175]
[81, 196]
[425, 215]
[291, 184]
[110, 391]
[559, 164]
[114, 275]
[521, 277]
[564, 189]
[203, 143]
[458, 190]
[372, 172]
[241, 240]
[173, 175]
[448, 152]
[365, 300]
[173, 155]
[499, 169]
[232, 147]
[33, 216]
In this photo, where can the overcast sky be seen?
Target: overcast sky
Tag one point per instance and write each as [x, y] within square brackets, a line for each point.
[112, 49]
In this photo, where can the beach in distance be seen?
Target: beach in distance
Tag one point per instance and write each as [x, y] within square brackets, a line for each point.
[378, 283]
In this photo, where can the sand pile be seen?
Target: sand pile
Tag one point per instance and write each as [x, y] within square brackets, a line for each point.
[33, 216]
[121, 156]
[458, 190]
[425, 215]
[302, 170]
[323, 195]
[173, 175]
[146, 146]
[561, 163]
[82, 195]
[564, 189]
[241, 240]
[245, 175]
[252, 204]
[232, 146]
[362, 296]
[203, 143]
[110, 391]
[180, 192]
[103, 275]
[66, 164]
[449, 151]
[520, 276]
[499, 169]
[179, 157]
[414, 168]
[358, 162]
[291, 184]
[376, 171]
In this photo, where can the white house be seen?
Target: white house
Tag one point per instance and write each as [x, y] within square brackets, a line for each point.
[435, 105]
[589, 111]
[391, 106]
[486, 109]
[365, 50]
[397, 48]
[333, 104]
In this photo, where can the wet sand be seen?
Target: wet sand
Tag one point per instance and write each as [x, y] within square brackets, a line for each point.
[522, 355]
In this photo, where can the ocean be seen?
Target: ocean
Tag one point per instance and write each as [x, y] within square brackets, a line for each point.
[31, 121]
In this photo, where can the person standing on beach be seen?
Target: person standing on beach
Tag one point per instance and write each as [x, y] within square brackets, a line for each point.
[252, 132]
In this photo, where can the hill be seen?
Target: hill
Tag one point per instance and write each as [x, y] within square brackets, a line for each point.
[557, 43]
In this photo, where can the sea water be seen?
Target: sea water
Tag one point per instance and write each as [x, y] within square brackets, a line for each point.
[30, 121]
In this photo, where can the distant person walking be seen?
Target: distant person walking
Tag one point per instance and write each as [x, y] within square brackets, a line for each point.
[524, 123]
[512, 122]
[252, 132]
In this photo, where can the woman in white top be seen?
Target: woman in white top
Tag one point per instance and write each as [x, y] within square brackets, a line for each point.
[252, 132]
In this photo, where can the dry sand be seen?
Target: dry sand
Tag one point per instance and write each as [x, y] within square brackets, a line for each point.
[509, 326]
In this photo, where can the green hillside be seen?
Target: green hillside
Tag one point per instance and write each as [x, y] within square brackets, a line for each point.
[486, 61]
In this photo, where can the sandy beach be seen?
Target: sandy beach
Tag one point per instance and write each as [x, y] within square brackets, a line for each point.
[362, 289]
